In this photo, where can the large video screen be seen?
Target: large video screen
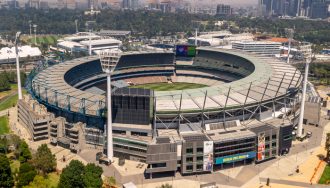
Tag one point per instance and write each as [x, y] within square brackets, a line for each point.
[185, 50]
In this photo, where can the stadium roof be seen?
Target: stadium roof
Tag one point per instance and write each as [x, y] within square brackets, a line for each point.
[270, 79]
[23, 51]
[101, 42]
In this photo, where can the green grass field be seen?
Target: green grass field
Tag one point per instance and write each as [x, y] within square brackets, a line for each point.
[11, 101]
[8, 103]
[325, 178]
[49, 39]
[169, 87]
[4, 127]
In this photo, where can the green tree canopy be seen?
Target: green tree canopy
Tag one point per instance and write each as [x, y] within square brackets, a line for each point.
[44, 161]
[26, 174]
[92, 176]
[6, 178]
[72, 175]
[76, 175]
[25, 153]
[38, 182]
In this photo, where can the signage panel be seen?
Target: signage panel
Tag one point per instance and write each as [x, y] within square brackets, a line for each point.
[208, 156]
[235, 158]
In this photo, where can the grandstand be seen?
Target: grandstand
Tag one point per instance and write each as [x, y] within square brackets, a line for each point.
[239, 102]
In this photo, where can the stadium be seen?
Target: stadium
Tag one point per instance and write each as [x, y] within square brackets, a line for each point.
[217, 109]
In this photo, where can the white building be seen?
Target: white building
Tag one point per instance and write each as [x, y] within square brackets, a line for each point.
[101, 44]
[71, 46]
[258, 47]
[220, 38]
[26, 53]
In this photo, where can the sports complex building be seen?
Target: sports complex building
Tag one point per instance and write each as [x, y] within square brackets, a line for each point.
[241, 108]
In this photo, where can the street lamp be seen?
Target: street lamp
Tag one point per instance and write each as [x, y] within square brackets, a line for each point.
[302, 106]
[109, 59]
[30, 24]
[290, 33]
[18, 34]
[35, 33]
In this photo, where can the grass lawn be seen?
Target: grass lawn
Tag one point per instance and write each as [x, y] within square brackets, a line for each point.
[169, 87]
[8, 103]
[11, 101]
[47, 39]
[4, 127]
[53, 179]
[14, 165]
[325, 178]
[5, 93]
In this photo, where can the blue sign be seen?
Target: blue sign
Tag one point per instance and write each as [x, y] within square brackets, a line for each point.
[234, 158]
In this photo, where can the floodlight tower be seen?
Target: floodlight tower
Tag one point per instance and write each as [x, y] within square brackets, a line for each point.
[30, 24]
[19, 86]
[196, 37]
[109, 59]
[35, 33]
[302, 106]
[290, 33]
[76, 23]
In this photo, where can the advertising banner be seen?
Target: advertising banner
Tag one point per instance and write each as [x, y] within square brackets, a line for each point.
[185, 51]
[208, 156]
[261, 147]
[235, 158]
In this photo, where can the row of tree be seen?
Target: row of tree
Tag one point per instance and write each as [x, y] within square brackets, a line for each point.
[31, 165]
[8, 77]
[35, 167]
[151, 23]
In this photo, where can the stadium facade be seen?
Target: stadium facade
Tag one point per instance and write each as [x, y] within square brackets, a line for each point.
[245, 114]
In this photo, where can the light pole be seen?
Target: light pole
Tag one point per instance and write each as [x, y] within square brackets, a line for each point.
[302, 106]
[109, 59]
[19, 86]
[90, 43]
[290, 37]
[30, 24]
[76, 23]
[35, 33]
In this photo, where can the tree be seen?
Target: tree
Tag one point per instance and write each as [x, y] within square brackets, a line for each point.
[77, 175]
[25, 153]
[327, 147]
[39, 182]
[4, 83]
[6, 178]
[92, 176]
[26, 174]
[72, 175]
[165, 186]
[44, 161]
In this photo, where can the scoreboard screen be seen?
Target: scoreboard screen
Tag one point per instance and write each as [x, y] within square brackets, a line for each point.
[185, 50]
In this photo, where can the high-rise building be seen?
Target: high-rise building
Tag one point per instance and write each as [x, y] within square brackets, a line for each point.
[224, 9]
[319, 9]
[130, 4]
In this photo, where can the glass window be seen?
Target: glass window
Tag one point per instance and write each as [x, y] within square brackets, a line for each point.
[189, 168]
[200, 158]
[189, 159]
[200, 150]
[159, 165]
[189, 150]
[199, 167]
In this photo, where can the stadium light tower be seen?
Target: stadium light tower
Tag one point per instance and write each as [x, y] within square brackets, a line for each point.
[109, 59]
[290, 33]
[19, 86]
[30, 24]
[302, 106]
[35, 33]
[196, 36]
[76, 23]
